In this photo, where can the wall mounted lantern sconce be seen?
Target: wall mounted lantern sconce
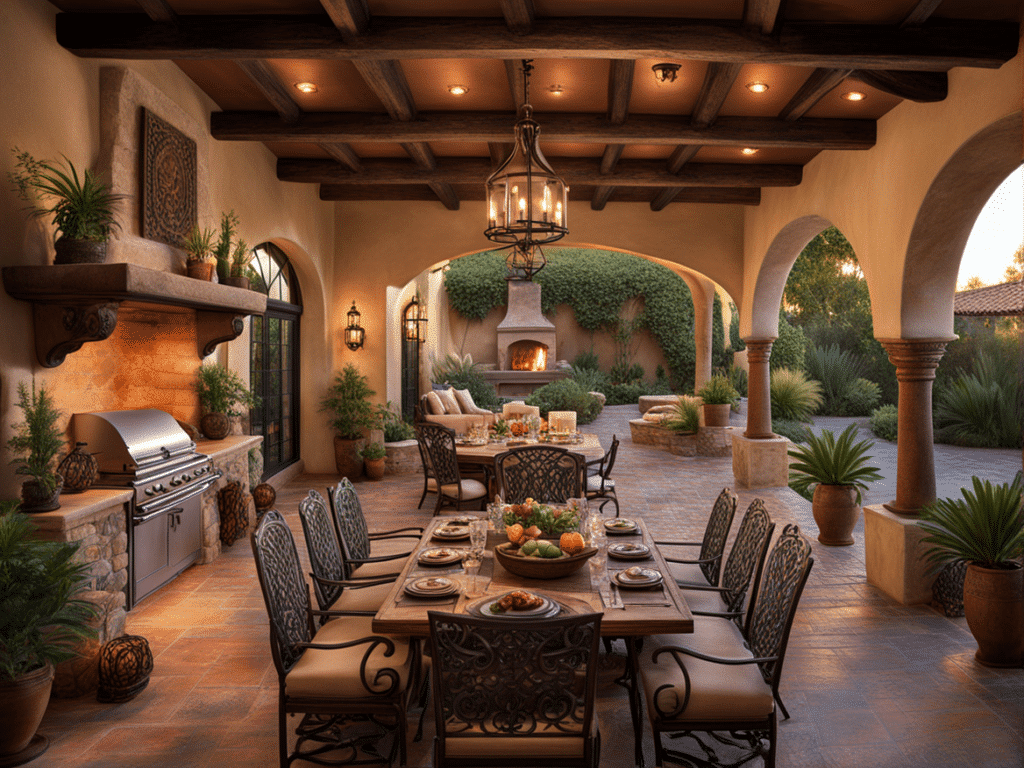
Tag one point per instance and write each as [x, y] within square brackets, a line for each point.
[354, 333]
[415, 320]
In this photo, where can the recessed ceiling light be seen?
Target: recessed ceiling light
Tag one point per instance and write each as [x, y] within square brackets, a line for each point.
[306, 87]
[556, 90]
[749, 151]
[458, 90]
[665, 73]
[757, 87]
[854, 96]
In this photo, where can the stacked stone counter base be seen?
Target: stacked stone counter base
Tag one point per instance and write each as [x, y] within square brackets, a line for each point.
[707, 441]
[231, 457]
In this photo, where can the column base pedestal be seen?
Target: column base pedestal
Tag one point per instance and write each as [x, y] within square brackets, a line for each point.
[893, 556]
[760, 463]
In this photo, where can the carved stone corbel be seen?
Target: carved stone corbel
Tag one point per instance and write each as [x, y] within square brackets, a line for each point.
[63, 328]
[213, 328]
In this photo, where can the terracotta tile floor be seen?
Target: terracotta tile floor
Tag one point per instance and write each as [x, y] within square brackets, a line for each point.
[868, 682]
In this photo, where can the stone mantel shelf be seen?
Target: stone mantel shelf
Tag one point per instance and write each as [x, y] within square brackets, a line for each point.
[76, 303]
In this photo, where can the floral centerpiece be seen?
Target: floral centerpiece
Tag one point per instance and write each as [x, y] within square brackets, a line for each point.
[550, 520]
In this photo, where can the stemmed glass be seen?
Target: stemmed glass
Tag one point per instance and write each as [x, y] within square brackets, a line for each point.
[477, 542]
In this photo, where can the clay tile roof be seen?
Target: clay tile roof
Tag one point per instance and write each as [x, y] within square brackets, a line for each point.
[991, 301]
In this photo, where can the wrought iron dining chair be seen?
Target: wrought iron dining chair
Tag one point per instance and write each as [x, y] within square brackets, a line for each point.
[429, 481]
[707, 568]
[351, 686]
[742, 567]
[367, 554]
[600, 484]
[716, 681]
[517, 692]
[452, 489]
[542, 472]
[334, 589]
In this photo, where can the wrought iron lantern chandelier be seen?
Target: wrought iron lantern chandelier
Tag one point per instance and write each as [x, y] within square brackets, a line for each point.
[527, 201]
[354, 333]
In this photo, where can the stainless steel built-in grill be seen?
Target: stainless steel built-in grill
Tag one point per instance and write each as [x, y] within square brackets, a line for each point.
[147, 451]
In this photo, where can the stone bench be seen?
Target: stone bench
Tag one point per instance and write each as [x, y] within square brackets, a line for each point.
[646, 402]
[707, 441]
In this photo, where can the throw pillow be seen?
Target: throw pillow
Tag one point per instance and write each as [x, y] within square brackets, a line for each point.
[451, 405]
[435, 404]
[465, 400]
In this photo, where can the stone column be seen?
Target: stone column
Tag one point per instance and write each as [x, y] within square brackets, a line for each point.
[703, 306]
[759, 400]
[915, 361]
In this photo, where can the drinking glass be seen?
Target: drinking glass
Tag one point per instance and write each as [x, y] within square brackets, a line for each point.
[471, 565]
[598, 567]
[496, 515]
[477, 537]
[595, 534]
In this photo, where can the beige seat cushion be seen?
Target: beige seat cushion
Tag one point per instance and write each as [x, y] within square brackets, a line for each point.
[594, 483]
[396, 546]
[434, 403]
[471, 489]
[717, 691]
[685, 572]
[451, 405]
[365, 599]
[380, 547]
[334, 673]
[704, 600]
[378, 570]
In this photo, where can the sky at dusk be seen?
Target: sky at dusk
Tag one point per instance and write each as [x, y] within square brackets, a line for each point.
[997, 233]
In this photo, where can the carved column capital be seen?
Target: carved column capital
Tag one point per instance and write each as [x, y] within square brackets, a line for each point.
[916, 359]
[758, 350]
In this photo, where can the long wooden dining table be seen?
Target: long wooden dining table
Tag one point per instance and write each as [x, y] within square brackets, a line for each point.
[483, 455]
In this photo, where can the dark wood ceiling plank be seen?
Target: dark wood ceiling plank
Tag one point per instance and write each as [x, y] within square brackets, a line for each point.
[514, 73]
[352, 17]
[814, 88]
[816, 133]
[762, 15]
[620, 89]
[158, 10]
[681, 155]
[920, 13]
[445, 194]
[703, 195]
[718, 81]
[916, 86]
[937, 46]
[576, 170]
[388, 83]
[664, 197]
[344, 154]
[270, 85]
[600, 197]
[611, 156]
[499, 151]
[519, 15]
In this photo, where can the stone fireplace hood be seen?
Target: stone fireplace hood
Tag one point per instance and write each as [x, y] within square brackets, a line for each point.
[76, 303]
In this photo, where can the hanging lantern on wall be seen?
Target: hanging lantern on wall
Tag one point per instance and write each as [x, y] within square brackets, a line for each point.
[354, 333]
[414, 320]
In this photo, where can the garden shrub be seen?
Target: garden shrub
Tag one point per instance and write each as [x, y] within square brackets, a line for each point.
[836, 369]
[589, 379]
[685, 416]
[463, 373]
[623, 373]
[793, 395]
[980, 410]
[884, 422]
[860, 399]
[566, 395]
[794, 430]
[734, 330]
[721, 356]
[587, 360]
[717, 391]
[789, 349]
[738, 377]
[629, 394]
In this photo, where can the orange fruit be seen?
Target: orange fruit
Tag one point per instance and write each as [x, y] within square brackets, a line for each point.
[571, 542]
[514, 533]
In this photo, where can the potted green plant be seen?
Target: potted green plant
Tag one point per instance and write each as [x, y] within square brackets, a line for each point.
[373, 456]
[198, 247]
[220, 391]
[985, 529]
[35, 446]
[348, 402]
[82, 207]
[241, 257]
[838, 469]
[43, 621]
[717, 396]
[223, 248]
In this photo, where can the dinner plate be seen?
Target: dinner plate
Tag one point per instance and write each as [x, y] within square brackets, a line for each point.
[431, 586]
[440, 556]
[621, 526]
[545, 610]
[645, 577]
[629, 551]
[452, 533]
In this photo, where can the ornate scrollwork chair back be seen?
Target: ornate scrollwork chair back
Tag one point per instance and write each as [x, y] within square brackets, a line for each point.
[707, 568]
[600, 484]
[515, 693]
[542, 472]
[452, 490]
[746, 558]
[366, 554]
[325, 557]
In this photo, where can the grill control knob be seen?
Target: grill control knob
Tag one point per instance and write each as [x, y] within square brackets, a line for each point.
[150, 491]
[176, 481]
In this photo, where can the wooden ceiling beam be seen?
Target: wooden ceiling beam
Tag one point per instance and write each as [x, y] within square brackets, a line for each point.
[575, 170]
[158, 10]
[514, 73]
[702, 195]
[762, 15]
[270, 85]
[816, 133]
[499, 151]
[718, 81]
[352, 17]
[519, 15]
[681, 155]
[937, 46]
[344, 154]
[916, 86]
[620, 90]
[814, 88]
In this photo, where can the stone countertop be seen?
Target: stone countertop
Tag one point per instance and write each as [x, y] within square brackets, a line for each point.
[230, 445]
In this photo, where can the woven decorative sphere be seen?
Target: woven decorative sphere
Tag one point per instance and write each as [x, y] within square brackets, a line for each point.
[79, 469]
[232, 503]
[125, 665]
[215, 426]
[264, 496]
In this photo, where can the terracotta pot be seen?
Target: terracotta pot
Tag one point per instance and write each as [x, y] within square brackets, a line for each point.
[71, 251]
[374, 468]
[22, 706]
[200, 270]
[716, 415]
[34, 499]
[835, 511]
[215, 426]
[237, 282]
[994, 609]
[346, 457]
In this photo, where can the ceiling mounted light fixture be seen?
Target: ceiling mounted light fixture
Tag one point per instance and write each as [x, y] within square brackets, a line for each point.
[306, 87]
[527, 202]
[757, 87]
[556, 90]
[665, 73]
[458, 90]
[854, 96]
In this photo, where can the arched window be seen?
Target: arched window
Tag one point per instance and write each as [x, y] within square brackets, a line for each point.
[274, 358]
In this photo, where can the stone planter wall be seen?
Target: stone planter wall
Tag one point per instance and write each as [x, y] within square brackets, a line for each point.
[403, 458]
[708, 441]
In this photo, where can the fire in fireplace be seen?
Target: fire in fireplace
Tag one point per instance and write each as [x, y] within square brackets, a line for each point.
[528, 356]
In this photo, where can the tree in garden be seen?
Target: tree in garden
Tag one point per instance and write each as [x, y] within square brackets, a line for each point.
[1015, 271]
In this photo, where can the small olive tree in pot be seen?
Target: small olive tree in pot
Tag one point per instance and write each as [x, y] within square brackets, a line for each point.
[985, 529]
[220, 391]
[35, 446]
[352, 414]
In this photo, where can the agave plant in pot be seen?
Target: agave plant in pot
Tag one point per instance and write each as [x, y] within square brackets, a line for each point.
[717, 396]
[41, 623]
[198, 247]
[352, 414]
[220, 391]
[35, 446]
[838, 469]
[985, 529]
[83, 208]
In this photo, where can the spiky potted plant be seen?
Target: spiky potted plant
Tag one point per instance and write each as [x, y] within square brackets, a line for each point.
[41, 623]
[985, 529]
[352, 414]
[717, 396]
[82, 208]
[241, 257]
[221, 391]
[224, 247]
[198, 247]
[838, 470]
[35, 445]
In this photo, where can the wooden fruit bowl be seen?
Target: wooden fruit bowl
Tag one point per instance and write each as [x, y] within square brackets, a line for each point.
[540, 567]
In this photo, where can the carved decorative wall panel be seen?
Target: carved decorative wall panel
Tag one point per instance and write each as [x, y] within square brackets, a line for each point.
[168, 181]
